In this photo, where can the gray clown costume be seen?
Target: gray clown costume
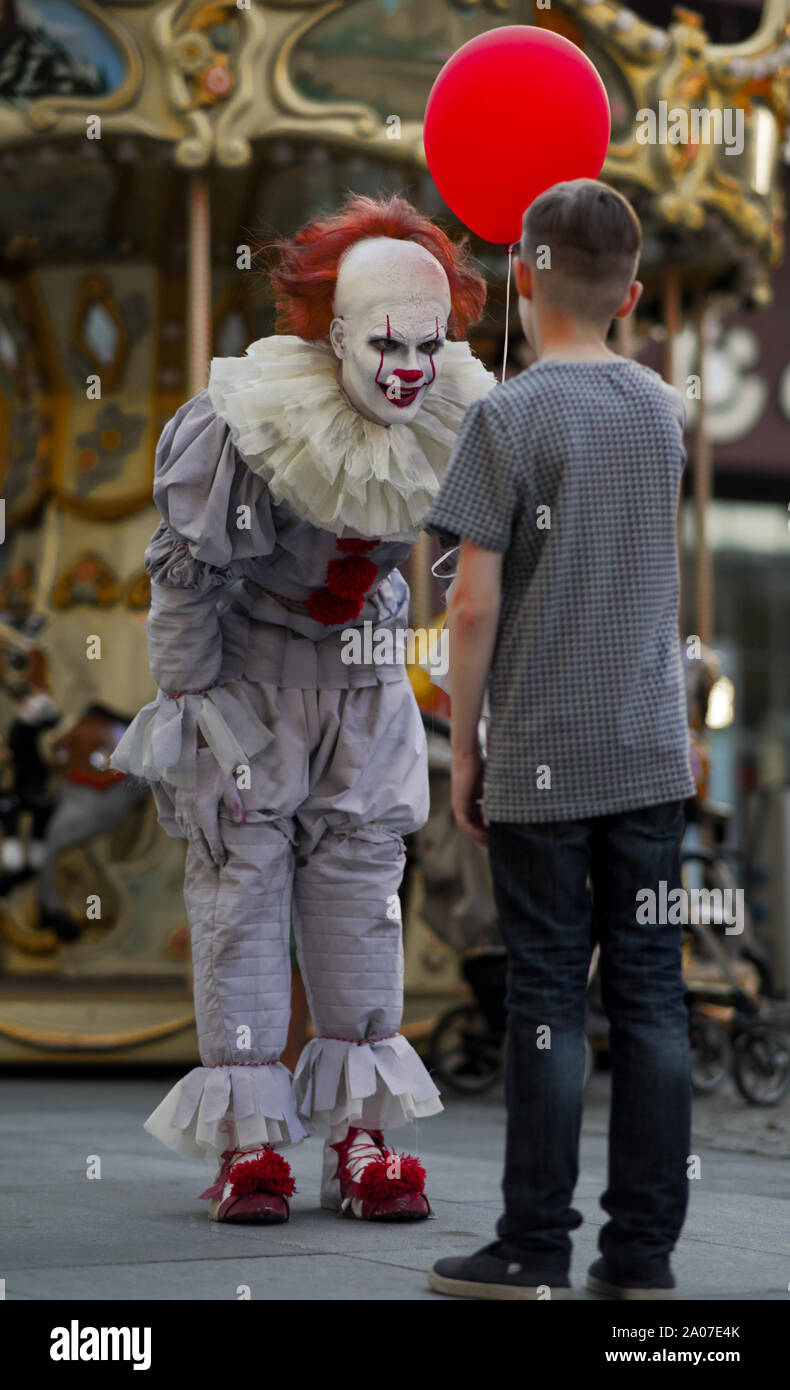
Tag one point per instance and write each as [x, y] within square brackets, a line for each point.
[257, 479]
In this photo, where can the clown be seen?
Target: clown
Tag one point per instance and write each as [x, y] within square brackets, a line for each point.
[290, 490]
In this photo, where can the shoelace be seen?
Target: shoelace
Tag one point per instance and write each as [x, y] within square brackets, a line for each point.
[233, 1156]
[361, 1154]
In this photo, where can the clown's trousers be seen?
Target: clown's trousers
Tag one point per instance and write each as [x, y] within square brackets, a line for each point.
[343, 778]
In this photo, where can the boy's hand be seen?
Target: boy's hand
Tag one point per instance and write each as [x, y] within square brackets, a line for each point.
[465, 794]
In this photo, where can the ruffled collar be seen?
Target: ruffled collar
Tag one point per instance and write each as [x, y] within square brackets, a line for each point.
[333, 467]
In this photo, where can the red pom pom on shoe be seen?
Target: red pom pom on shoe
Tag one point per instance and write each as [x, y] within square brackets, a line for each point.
[350, 578]
[407, 1175]
[269, 1173]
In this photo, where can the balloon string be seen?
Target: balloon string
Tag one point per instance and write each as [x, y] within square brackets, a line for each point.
[507, 306]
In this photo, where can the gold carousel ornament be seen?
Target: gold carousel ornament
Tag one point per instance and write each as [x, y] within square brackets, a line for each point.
[88, 580]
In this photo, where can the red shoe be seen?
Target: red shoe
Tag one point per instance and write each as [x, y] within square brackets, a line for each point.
[251, 1186]
[375, 1183]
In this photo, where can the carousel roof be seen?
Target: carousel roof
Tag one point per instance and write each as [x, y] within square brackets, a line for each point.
[218, 83]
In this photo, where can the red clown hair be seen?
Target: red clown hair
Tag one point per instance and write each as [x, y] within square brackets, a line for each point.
[305, 277]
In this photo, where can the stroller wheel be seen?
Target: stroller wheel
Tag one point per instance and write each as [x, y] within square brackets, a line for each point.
[711, 1053]
[464, 1053]
[761, 1066]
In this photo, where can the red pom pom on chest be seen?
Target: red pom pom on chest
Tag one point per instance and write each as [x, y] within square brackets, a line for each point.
[358, 547]
[350, 578]
[346, 580]
[328, 609]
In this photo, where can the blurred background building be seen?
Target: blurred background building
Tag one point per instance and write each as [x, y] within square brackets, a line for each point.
[147, 152]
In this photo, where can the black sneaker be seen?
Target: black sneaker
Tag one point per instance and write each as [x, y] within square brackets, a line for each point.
[601, 1279]
[488, 1274]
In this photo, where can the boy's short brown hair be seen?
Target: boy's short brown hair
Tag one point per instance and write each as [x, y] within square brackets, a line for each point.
[593, 238]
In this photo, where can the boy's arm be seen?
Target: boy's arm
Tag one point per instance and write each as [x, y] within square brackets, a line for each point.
[477, 501]
[472, 619]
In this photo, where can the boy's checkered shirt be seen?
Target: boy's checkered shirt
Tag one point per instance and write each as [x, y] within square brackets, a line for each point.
[572, 470]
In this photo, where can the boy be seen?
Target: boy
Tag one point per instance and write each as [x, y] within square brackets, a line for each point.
[563, 490]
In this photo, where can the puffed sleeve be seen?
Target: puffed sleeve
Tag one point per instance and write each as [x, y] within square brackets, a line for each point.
[215, 513]
[206, 493]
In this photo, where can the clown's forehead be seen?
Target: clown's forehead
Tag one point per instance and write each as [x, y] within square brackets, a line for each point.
[382, 276]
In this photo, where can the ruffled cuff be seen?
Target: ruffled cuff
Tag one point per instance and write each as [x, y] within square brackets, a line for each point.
[212, 1109]
[160, 744]
[169, 561]
[377, 1085]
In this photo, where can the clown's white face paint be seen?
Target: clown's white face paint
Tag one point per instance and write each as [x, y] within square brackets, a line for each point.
[391, 305]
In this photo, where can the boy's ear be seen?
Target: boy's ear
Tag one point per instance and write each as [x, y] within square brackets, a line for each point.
[523, 278]
[631, 300]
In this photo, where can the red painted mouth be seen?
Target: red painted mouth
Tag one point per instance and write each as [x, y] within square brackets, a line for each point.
[407, 394]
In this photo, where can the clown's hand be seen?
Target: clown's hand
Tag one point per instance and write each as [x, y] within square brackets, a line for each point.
[198, 810]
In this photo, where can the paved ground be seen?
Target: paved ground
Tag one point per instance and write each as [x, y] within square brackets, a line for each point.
[139, 1232]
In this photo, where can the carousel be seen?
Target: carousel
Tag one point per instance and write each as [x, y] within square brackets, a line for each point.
[149, 152]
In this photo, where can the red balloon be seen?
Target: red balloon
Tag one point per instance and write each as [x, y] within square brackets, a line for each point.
[512, 112]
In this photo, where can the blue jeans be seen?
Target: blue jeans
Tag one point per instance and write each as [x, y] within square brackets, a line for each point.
[550, 922]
